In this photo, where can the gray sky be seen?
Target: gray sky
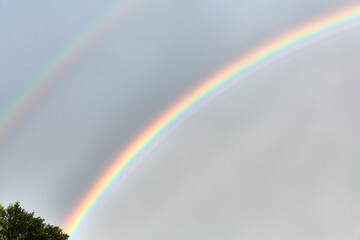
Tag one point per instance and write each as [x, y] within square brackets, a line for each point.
[274, 158]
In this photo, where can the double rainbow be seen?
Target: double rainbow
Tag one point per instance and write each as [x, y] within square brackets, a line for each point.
[289, 42]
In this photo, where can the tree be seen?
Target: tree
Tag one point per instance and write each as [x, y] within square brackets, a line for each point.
[17, 224]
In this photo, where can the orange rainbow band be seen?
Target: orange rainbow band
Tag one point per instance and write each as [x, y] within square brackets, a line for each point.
[300, 37]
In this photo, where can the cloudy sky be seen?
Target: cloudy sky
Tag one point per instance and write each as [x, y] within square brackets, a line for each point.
[276, 157]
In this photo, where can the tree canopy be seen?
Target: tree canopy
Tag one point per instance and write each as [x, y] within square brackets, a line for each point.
[18, 224]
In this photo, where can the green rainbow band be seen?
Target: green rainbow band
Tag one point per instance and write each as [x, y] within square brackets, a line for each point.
[267, 53]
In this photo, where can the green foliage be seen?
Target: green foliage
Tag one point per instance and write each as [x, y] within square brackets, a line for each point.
[17, 224]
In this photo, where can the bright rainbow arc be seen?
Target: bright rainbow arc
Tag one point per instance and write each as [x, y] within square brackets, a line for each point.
[290, 41]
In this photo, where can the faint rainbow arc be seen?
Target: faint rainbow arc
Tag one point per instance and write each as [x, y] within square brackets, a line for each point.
[47, 74]
[270, 51]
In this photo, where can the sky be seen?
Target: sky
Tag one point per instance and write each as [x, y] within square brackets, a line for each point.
[275, 157]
